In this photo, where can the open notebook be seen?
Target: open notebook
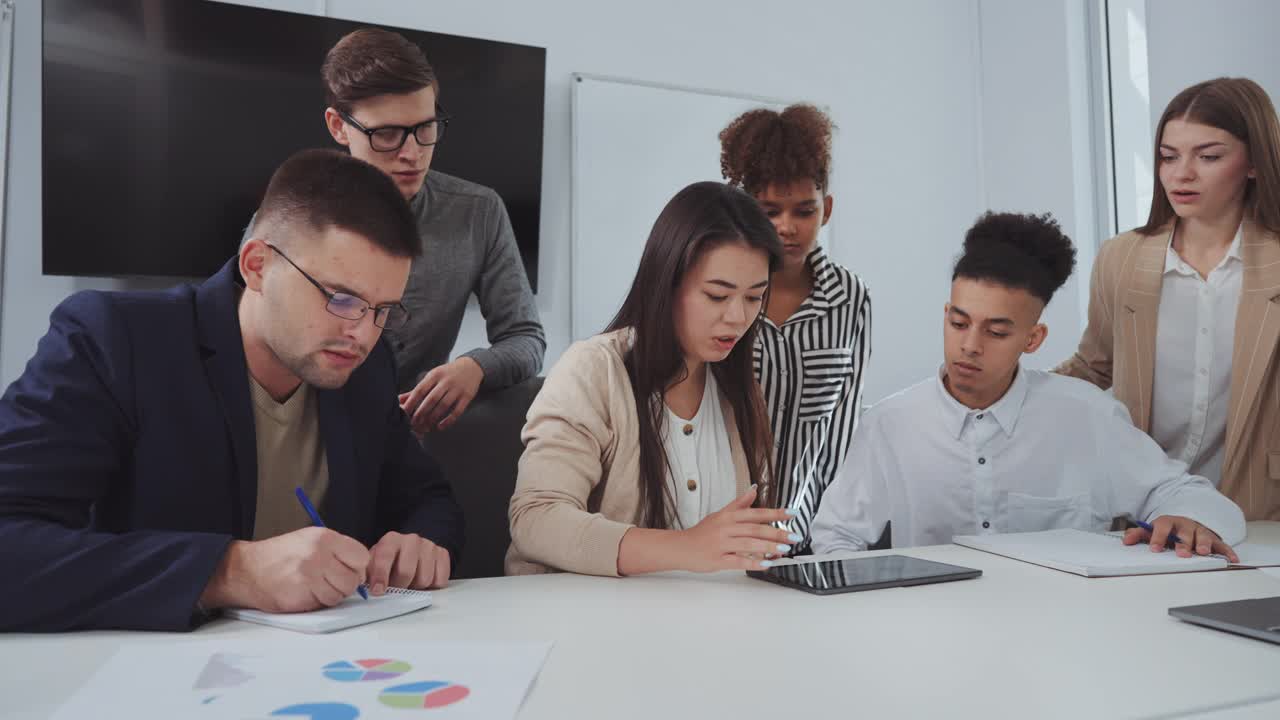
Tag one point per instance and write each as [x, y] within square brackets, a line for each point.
[351, 612]
[1104, 555]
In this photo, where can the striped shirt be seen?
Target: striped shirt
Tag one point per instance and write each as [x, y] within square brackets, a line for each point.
[811, 370]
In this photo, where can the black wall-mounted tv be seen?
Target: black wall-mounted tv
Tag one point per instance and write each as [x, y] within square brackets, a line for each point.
[164, 120]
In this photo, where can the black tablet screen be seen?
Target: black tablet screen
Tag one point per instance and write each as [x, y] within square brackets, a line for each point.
[868, 573]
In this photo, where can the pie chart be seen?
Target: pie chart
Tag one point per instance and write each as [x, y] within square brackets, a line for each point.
[428, 695]
[319, 711]
[366, 670]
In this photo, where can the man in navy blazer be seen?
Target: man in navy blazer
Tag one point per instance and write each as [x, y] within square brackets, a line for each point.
[129, 462]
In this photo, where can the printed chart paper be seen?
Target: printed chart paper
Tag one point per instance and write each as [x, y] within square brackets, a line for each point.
[318, 680]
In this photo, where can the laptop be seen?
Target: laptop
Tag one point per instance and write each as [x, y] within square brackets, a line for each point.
[1258, 618]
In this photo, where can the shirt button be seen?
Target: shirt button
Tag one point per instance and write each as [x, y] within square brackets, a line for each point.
[1204, 371]
[688, 429]
[979, 416]
[1204, 331]
[693, 484]
[982, 461]
[985, 525]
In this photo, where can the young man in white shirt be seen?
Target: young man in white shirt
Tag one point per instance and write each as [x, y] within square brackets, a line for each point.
[987, 446]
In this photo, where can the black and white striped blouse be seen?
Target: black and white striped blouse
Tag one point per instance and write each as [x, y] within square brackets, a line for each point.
[811, 370]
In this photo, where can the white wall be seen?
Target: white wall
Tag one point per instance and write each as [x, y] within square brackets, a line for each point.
[1191, 40]
[1037, 150]
[944, 108]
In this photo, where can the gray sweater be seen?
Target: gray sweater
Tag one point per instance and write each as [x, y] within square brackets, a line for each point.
[467, 247]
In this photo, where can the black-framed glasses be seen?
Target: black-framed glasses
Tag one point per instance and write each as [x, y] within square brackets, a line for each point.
[389, 138]
[391, 316]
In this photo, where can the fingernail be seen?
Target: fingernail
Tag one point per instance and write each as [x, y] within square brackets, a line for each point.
[783, 548]
[379, 589]
[766, 564]
[792, 512]
[795, 537]
[754, 486]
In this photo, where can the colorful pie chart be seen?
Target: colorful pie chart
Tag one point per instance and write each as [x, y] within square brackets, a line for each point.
[319, 711]
[366, 670]
[428, 695]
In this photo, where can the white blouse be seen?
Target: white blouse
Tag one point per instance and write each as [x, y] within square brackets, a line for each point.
[701, 474]
[1195, 334]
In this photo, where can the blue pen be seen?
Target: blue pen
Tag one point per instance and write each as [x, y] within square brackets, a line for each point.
[315, 520]
[1147, 526]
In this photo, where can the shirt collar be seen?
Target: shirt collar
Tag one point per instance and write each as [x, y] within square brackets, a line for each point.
[827, 289]
[1174, 263]
[1005, 410]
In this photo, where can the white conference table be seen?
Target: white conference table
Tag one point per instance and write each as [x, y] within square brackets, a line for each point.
[1019, 641]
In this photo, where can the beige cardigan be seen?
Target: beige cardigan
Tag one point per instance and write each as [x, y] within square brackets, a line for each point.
[1118, 349]
[578, 489]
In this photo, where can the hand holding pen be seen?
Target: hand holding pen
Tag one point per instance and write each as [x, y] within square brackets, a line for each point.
[1186, 536]
[302, 570]
[317, 522]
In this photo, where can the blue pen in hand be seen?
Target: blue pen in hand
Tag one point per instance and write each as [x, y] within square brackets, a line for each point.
[1147, 526]
[315, 520]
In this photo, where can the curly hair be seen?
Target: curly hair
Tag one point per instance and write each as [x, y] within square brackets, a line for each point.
[764, 147]
[1029, 252]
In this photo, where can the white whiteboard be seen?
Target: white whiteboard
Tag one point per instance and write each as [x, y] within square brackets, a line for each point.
[634, 146]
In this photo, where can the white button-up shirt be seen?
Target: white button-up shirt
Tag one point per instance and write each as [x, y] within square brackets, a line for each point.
[1195, 333]
[1054, 452]
[701, 476]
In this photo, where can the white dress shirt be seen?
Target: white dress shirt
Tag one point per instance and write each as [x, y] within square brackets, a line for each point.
[1195, 332]
[701, 475]
[1054, 452]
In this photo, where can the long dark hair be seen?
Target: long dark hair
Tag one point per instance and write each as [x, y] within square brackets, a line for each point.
[1241, 107]
[700, 217]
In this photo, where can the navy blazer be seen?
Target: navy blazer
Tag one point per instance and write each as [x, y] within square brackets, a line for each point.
[128, 460]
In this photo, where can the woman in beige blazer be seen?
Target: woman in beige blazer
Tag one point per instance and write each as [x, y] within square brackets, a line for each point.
[1184, 312]
[649, 444]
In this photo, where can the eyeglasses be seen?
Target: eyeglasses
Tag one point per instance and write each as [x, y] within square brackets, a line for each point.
[391, 316]
[390, 138]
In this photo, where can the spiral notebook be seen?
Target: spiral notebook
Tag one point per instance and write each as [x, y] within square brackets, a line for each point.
[1098, 554]
[351, 612]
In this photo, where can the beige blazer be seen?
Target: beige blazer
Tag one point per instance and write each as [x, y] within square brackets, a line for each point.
[1119, 344]
[578, 488]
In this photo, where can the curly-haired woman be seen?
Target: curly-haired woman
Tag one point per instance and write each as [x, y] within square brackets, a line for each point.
[813, 345]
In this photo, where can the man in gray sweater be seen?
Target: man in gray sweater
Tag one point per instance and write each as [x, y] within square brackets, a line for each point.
[381, 95]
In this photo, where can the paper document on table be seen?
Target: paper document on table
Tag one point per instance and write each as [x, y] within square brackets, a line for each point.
[1257, 555]
[329, 679]
[1088, 554]
[351, 612]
